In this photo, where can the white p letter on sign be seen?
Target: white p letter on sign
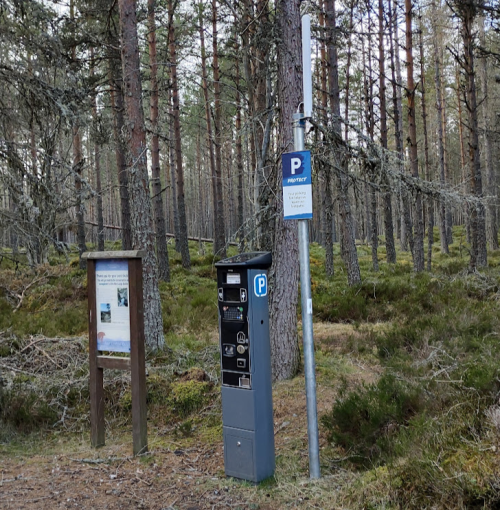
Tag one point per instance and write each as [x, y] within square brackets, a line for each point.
[260, 285]
[295, 164]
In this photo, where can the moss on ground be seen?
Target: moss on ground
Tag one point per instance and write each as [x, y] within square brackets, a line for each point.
[407, 371]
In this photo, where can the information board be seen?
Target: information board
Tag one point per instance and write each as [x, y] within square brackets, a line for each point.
[297, 185]
[112, 305]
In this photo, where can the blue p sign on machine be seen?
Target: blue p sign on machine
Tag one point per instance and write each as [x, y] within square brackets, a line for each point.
[260, 285]
[297, 185]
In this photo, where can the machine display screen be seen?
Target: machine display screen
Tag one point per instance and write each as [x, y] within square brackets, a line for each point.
[232, 295]
[233, 278]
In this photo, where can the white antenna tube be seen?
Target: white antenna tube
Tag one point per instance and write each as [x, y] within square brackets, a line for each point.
[306, 66]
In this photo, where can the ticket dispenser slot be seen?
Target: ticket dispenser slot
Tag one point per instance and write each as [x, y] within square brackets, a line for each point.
[245, 356]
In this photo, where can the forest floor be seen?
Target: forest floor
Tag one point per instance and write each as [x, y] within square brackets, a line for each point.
[408, 393]
[62, 470]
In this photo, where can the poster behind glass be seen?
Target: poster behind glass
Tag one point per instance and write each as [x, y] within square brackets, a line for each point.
[112, 302]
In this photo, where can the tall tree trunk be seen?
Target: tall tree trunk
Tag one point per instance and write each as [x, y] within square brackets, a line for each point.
[166, 175]
[110, 195]
[246, 34]
[266, 220]
[199, 167]
[345, 213]
[370, 170]
[491, 210]
[78, 163]
[161, 233]
[228, 156]
[373, 222]
[440, 140]
[239, 156]
[406, 236]
[208, 117]
[386, 194]
[348, 69]
[255, 35]
[97, 165]
[459, 90]
[430, 201]
[325, 173]
[140, 198]
[285, 268]
[181, 205]
[478, 256]
[173, 178]
[444, 122]
[220, 229]
[418, 239]
[117, 106]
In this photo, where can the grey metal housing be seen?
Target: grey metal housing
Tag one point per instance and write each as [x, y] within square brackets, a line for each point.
[247, 408]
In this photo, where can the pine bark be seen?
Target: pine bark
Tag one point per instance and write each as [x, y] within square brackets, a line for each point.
[246, 33]
[262, 121]
[78, 163]
[440, 139]
[285, 269]
[491, 210]
[97, 166]
[348, 70]
[240, 225]
[219, 224]
[430, 201]
[444, 122]
[255, 34]
[208, 118]
[370, 169]
[199, 165]
[418, 239]
[117, 106]
[181, 204]
[406, 226]
[461, 138]
[326, 185]
[478, 255]
[140, 198]
[386, 194]
[350, 254]
[173, 179]
[159, 217]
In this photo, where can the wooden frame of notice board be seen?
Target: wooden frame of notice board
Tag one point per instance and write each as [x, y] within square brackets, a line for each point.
[116, 325]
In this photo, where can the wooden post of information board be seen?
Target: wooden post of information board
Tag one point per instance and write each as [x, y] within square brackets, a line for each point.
[135, 363]
[137, 358]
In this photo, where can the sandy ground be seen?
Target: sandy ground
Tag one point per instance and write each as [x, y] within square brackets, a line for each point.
[168, 478]
[185, 475]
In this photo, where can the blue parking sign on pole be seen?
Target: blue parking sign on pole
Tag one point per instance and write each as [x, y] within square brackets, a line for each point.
[297, 185]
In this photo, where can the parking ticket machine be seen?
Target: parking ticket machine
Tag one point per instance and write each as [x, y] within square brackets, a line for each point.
[247, 407]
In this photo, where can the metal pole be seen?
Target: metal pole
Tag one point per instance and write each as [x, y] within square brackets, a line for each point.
[307, 324]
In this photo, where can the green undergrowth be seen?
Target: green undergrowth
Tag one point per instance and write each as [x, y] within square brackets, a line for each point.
[182, 394]
[189, 303]
[426, 433]
[22, 409]
[410, 364]
[50, 301]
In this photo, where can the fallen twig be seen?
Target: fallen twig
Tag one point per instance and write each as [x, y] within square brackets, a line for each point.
[97, 461]
[47, 356]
